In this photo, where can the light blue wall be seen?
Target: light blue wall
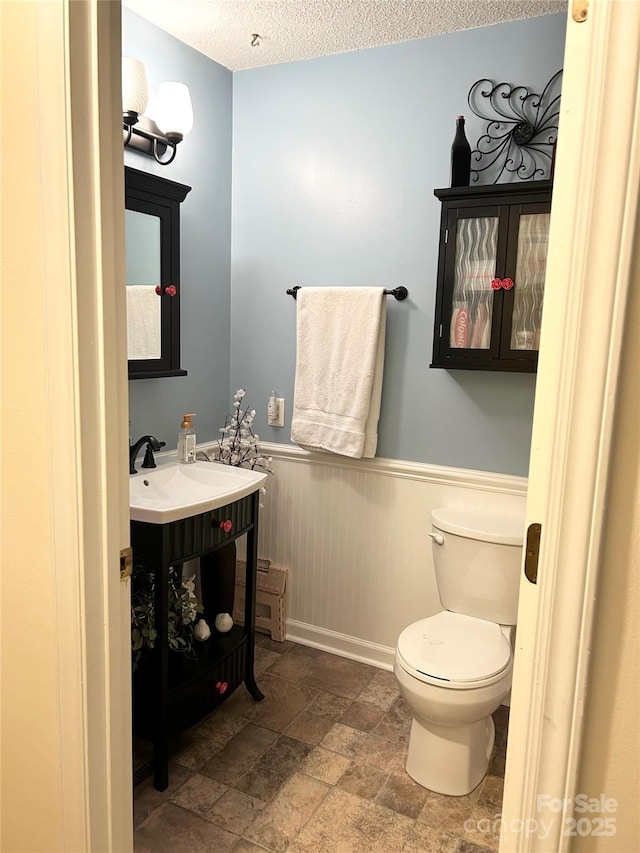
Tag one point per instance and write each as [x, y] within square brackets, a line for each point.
[203, 162]
[334, 165]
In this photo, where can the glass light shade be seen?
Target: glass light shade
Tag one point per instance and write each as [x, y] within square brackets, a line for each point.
[134, 86]
[173, 110]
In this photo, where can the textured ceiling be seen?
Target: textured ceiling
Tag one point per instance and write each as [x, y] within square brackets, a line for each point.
[302, 29]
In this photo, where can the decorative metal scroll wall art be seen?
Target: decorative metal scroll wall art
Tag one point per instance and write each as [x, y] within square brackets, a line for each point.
[521, 131]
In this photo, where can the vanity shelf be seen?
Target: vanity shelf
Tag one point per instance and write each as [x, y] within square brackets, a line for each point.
[170, 690]
[491, 275]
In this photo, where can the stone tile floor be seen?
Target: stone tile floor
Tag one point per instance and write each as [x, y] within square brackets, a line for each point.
[316, 767]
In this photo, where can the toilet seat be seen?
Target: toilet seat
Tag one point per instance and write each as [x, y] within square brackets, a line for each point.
[455, 651]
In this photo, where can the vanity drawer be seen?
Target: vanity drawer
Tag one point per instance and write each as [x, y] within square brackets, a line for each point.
[195, 684]
[193, 701]
[190, 537]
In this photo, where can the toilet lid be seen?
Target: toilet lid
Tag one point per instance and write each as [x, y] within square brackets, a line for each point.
[453, 647]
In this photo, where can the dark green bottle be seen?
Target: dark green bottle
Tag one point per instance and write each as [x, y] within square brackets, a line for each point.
[460, 157]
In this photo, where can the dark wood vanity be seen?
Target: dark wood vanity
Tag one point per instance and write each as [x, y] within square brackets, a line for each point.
[172, 691]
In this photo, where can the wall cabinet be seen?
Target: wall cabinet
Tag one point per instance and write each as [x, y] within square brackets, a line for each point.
[491, 275]
[152, 223]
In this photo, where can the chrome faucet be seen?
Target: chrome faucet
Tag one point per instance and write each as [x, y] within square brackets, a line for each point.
[152, 444]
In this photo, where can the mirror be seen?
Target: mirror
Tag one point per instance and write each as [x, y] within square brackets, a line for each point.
[152, 227]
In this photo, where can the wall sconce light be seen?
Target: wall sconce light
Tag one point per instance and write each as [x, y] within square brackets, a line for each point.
[173, 113]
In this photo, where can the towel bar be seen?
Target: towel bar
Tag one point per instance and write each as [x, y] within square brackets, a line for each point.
[399, 293]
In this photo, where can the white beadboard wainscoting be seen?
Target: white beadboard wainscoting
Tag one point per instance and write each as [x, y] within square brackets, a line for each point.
[353, 534]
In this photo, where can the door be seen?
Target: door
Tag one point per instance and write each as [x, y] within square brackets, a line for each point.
[591, 245]
[471, 314]
[66, 742]
[526, 267]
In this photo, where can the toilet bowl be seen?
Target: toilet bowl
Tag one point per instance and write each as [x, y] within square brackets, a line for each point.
[454, 668]
[452, 733]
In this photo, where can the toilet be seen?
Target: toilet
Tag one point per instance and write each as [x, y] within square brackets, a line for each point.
[454, 669]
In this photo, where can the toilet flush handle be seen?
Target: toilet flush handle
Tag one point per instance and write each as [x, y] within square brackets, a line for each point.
[438, 538]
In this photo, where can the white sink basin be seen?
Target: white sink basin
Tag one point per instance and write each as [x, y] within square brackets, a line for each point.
[173, 491]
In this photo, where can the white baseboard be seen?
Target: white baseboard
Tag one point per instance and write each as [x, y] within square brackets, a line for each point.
[340, 644]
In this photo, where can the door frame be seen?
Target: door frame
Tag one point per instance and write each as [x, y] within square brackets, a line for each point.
[592, 240]
[66, 716]
[593, 218]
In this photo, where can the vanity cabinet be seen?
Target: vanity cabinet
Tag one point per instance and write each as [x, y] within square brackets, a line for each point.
[172, 691]
[491, 274]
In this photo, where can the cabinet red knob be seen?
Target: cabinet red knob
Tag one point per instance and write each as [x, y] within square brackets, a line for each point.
[222, 686]
[170, 290]
[226, 525]
[502, 283]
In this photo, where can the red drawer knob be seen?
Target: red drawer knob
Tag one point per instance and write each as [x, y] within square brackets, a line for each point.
[222, 686]
[496, 284]
[226, 525]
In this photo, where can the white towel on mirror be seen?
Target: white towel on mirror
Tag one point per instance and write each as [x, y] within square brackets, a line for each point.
[339, 365]
[143, 322]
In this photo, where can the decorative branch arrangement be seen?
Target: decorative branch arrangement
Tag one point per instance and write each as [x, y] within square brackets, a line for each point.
[239, 444]
[521, 131]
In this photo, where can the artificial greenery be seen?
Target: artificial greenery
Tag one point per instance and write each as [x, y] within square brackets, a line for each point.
[183, 609]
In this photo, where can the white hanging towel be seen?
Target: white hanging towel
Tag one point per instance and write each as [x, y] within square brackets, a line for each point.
[143, 322]
[340, 360]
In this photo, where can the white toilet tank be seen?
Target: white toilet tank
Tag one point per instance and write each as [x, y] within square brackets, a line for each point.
[477, 559]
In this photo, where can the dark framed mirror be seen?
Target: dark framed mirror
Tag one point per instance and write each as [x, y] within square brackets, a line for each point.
[152, 227]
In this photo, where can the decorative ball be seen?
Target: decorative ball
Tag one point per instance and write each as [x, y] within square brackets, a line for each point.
[224, 623]
[201, 631]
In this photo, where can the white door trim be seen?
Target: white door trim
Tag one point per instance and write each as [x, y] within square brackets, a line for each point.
[588, 276]
[96, 195]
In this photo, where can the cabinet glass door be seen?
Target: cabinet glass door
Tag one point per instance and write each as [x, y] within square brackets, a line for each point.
[528, 292]
[474, 270]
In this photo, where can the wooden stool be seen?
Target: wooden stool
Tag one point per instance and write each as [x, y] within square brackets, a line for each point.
[271, 583]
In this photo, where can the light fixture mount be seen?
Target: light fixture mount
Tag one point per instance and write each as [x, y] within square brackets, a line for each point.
[145, 137]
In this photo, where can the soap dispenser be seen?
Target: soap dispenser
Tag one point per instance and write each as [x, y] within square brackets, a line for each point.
[187, 440]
